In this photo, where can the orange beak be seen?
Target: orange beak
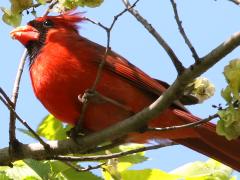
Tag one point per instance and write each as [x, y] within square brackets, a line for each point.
[24, 34]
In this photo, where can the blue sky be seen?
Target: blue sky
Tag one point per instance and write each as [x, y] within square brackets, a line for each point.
[207, 23]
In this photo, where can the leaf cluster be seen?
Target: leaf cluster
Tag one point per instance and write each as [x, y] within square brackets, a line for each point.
[229, 123]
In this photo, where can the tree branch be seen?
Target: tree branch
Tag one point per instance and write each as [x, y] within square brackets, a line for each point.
[12, 122]
[115, 155]
[237, 2]
[134, 123]
[182, 32]
[177, 63]
[80, 169]
[189, 125]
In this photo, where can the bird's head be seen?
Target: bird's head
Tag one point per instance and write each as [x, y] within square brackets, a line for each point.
[37, 30]
[40, 31]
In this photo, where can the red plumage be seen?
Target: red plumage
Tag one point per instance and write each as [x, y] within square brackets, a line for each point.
[65, 65]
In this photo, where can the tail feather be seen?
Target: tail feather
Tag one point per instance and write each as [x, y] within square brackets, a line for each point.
[211, 144]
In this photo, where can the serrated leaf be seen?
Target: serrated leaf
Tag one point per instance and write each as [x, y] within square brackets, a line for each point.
[52, 129]
[18, 6]
[204, 170]
[232, 74]
[63, 170]
[227, 94]
[41, 168]
[133, 158]
[229, 123]
[21, 171]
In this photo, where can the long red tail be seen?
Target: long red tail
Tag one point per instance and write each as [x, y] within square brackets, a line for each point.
[211, 144]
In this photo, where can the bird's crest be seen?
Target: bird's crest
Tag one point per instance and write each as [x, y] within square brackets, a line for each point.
[69, 18]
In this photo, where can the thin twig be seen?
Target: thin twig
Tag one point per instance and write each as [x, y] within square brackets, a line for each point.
[177, 63]
[2, 92]
[114, 155]
[114, 143]
[12, 122]
[182, 32]
[80, 169]
[38, 4]
[237, 2]
[50, 7]
[9, 106]
[85, 102]
[189, 125]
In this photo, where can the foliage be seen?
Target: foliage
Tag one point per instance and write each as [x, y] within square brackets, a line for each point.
[116, 168]
[13, 16]
[229, 123]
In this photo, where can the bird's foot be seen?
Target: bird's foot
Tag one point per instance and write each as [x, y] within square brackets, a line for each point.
[75, 133]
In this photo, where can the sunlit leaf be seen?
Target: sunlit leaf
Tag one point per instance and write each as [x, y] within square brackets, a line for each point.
[52, 129]
[41, 168]
[227, 94]
[229, 123]
[210, 170]
[21, 171]
[232, 74]
[66, 172]
[71, 4]
[3, 176]
[10, 18]
[149, 174]
[18, 6]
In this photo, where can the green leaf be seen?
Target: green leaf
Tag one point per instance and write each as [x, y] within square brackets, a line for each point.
[90, 3]
[210, 170]
[41, 168]
[21, 171]
[3, 176]
[227, 94]
[41, 1]
[60, 169]
[18, 6]
[229, 123]
[52, 129]
[71, 4]
[10, 18]
[115, 166]
[27, 132]
[30, 178]
[149, 174]
[232, 74]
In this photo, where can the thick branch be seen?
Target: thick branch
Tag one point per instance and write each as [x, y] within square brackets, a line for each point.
[36, 151]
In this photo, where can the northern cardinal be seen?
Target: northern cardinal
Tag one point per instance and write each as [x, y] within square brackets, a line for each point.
[63, 65]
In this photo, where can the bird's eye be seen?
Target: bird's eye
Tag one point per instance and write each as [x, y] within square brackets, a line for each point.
[47, 23]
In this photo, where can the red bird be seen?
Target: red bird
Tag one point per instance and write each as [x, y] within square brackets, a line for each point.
[63, 65]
